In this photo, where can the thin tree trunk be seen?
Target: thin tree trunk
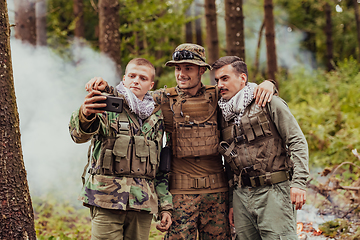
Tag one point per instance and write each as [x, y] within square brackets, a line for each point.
[211, 35]
[329, 42]
[257, 55]
[357, 19]
[270, 40]
[16, 212]
[109, 35]
[189, 26]
[40, 10]
[78, 7]
[198, 29]
[25, 21]
[234, 18]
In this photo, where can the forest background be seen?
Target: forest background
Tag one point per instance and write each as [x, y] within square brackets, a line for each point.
[58, 45]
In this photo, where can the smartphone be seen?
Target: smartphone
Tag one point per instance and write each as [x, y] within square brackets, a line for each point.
[113, 104]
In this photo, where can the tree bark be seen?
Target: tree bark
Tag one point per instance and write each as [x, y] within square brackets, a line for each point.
[270, 40]
[79, 17]
[189, 26]
[329, 41]
[357, 19]
[109, 35]
[16, 212]
[198, 29]
[40, 10]
[25, 21]
[212, 38]
[234, 18]
[257, 55]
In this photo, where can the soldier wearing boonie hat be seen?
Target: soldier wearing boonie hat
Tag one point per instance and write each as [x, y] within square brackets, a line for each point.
[189, 53]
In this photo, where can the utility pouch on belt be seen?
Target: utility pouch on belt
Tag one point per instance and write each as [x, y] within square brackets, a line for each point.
[165, 159]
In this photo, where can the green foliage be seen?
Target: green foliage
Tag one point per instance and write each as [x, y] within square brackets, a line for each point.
[309, 17]
[331, 228]
[54, 220]
[327, 108]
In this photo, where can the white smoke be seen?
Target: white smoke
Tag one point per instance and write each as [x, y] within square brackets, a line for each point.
[48, 88]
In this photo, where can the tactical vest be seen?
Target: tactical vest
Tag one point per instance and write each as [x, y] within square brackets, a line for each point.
[254, 148]
[124, 153]
[195, 130]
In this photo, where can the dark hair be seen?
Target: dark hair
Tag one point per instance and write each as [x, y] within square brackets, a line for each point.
[237, 63]
[142, 62]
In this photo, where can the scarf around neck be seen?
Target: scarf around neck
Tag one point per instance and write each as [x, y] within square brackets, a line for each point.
[143, 109]
[235, 106]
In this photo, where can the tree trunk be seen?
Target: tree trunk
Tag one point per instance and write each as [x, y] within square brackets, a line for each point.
[79, 18]
[189, 26]
[17, 216]
[109, 35]
[257, 55]
[270, 40]
[235, 43]
[212, 38]
[357, 19]
[25, 20]
[198, 29]
[40, 10]
[329, 42]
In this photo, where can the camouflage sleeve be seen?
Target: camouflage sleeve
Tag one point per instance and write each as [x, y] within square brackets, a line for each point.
[162, 190]
[77, 134]
[159, 95]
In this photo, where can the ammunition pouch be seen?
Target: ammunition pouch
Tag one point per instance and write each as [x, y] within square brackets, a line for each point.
[128, 156]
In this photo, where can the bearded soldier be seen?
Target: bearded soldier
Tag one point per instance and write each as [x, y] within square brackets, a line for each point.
[124, 188]
[268, 154]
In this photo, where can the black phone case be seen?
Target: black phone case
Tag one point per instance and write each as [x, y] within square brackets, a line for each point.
[113, 104]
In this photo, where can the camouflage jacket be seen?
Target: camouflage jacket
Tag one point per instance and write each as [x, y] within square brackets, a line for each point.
[120, 192]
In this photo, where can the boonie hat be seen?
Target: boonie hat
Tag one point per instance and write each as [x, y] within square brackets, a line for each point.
[189, 53]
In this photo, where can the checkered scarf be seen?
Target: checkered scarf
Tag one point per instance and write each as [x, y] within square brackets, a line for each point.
[143, 109]
[235, 107]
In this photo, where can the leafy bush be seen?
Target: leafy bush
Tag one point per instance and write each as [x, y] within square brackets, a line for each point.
[326, 105]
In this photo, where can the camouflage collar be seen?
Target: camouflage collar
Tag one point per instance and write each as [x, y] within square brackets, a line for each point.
[181, 92]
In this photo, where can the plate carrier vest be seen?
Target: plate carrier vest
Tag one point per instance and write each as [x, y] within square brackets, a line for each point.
[126, 154]
[195, 129]
[255, 147]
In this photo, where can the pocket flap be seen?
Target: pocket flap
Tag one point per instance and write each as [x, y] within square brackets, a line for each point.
[141, 149]
[153, 153]
[121, 145]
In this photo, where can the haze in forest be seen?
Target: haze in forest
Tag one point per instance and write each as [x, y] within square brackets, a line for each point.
[48, 88]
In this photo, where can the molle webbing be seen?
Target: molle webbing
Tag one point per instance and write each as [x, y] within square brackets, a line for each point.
[195, 123]
[255, 142]
[186, 182]
[125, 154]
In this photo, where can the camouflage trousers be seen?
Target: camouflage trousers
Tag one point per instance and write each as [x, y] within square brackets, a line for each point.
[203, 215]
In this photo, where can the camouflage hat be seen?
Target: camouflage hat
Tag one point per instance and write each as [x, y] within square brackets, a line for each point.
[189, 53]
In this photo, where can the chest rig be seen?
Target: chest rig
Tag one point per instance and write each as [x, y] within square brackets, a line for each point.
[254, 148]
[128, 151]
[195, 130]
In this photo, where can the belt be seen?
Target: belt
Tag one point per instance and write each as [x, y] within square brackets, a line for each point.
[186, 182]
[267, 179]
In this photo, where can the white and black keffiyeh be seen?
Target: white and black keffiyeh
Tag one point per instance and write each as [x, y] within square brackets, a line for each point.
[235, 107]
[143, 109]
